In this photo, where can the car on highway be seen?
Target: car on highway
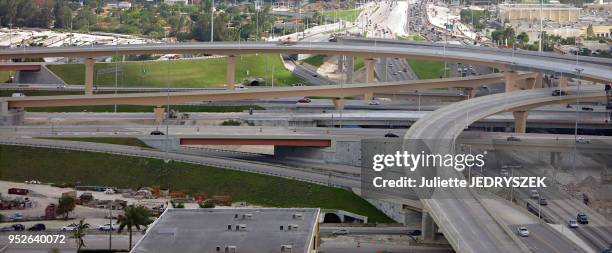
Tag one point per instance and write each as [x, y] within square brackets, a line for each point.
[513, 138]
[582, 140]
[543, 202]
[582, 218]
[586, 108]
[374, 102]
[14, 227]
[304, 101]
[534, 194]
[572, 223]
[157, 132]
[37, 227]
[286, 42]
[18, 95]
[16, 216]
[107, 227]
[109, 191]
[391, 135]
[504, 173]
[557, 93]
[340, 232]
[71, 227]
[522, 231]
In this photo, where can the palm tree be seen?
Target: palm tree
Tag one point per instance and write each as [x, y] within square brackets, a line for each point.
[133, 216]
[79, 233]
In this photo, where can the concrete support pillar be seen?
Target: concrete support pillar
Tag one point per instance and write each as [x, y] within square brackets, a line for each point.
[369, 66]
[520, 121]
[89, 75]
[340, 63]
[428, 227]
[383, 62]
[350, 69]
[231, 68]
[563, 82]
[539, 81]
[339, 103]
[159, 114]
[510, 80]
[470, 92]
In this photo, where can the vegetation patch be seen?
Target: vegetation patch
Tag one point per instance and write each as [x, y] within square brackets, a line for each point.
[425, 69]
[347, 15]
[89, 168]
[180, 73]
[316, 60]
[128, 141]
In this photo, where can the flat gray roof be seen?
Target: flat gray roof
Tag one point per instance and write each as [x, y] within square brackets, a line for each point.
[202, 230]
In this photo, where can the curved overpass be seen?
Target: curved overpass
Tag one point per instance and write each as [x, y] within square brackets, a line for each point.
[601, 73]
[162, 98]
[440, 129]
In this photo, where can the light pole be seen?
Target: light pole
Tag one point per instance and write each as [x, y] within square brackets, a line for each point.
[541, 26]
[212, 20]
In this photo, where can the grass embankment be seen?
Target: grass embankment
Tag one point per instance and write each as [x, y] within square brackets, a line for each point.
[414, 37]
[5, 75]
[180, 73]
[347, 15]
[358, 63]
[128, 141]
[315, 60]
[428, 69]
[68, 166]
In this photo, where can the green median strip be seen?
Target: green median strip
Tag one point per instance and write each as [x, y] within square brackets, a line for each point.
[66, 167]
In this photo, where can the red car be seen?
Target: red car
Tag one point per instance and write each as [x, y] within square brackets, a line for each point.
[304, 100]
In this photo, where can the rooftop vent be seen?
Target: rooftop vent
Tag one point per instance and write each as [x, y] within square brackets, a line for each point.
[231, 249]
[297, 216]
[293, 227]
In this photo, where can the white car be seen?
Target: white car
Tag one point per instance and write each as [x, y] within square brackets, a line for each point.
[582, 140]
[71, 227]
[340, 232]
[374, 102]
[107, 227]
[18, 95]
[109, 191]
[572, 223]
[522, 231]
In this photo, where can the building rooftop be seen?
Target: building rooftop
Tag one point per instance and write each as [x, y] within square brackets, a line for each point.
[245, 229]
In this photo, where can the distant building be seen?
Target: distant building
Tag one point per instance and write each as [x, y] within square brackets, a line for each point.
[244, 230]
[531, 12]
[173, 2]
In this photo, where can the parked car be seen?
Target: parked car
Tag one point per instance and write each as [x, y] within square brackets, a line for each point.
[522, 231]
[304, 100]
[557, 93]
[340, 232]
[16, 216]
[107, 227]
[572, 223]
[71, 227]
[391, 135]
[513, 138]
[582, 218]
[534, 194]
[157, 132]
[37, 227]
